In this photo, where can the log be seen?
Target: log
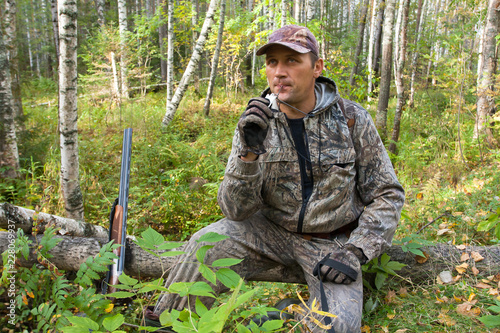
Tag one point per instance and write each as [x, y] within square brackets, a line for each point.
[23, 218]
[70, 252]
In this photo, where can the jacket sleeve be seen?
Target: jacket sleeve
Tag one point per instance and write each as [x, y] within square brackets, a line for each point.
[239, 194]
[378, 188]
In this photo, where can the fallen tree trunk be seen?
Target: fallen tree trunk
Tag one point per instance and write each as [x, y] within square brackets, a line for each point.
[23, 218]
[70, 252]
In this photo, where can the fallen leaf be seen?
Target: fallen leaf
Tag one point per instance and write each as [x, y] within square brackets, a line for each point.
[475, 271]
[443, 225]
[464, 257]
[493, 292]
[458, 299]
[476, 256]
[467, 309]
[457, 213]
[461, 247]
[421, 259]
[462, 268]
[365, 329]
[390, 297]
[446, 320]
[401, 330]
[403, 292]
[483, 285]
[420, 196]
[391, 315]
[444, 232]
[471, 297]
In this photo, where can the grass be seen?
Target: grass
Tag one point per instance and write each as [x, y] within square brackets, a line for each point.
[176, 172]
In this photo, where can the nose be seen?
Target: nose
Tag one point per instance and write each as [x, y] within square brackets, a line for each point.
[280, 71]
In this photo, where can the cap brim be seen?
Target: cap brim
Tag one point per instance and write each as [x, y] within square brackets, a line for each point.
[294, 47]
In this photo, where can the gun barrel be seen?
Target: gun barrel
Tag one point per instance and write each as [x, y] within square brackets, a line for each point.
[123, 192]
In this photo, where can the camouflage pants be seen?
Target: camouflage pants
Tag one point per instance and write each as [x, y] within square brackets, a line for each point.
[265, 246]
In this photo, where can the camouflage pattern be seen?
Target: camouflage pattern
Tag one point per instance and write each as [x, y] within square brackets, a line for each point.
[296, 37]
[352, 174]
[264, 246]
[262, 201]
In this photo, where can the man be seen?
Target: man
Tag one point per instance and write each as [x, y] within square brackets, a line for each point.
[309, 190]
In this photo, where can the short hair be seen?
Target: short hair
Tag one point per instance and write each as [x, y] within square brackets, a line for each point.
[314, 58]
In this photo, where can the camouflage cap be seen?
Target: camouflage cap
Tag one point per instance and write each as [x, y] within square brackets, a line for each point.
[293, 36]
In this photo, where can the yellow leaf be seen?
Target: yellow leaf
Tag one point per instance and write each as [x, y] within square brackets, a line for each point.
[471, 297]
[391, 315]
[464, 257]
[462, 268]
[327, 314]
[109, 308]
[30, 294]
[365, 329]
[475, 271]
[446, 320]
[476, 256]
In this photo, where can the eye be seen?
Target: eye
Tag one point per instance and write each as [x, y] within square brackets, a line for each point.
[270, 61]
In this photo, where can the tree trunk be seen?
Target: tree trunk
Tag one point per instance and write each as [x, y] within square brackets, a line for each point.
[375, 24]
[122, 24]
[68, 112]
[415, 52]
[385, 73]
[71, 252]
[101, 19]
[170, 52]
[10, 29]
[162, 35]
[296, 11]
[55, 26]
[9, 155]
[399, 68]
[284, 11]
[359, 47]
[486, 81]
[26, 219]
[215, 60]
[183, 84]
[311, 10]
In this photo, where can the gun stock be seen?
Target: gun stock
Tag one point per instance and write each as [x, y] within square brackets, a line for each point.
[118, 217]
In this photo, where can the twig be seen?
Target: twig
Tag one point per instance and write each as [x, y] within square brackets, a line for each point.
[137, 326]
[431, 222]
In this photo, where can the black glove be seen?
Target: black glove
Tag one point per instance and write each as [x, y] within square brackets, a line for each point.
[339, 267]
[253, 126]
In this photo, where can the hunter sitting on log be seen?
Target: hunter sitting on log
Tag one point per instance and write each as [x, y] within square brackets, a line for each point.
[308, 187]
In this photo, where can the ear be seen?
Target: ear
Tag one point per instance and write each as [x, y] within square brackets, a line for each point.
[318, 68]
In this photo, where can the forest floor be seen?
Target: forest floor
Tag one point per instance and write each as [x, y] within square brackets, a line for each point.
[176, 171]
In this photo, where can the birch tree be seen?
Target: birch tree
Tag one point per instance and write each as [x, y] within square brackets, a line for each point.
[373, 46]
[68, 115]
[170, 51]
[385, 70]
[55, 25]
[9, 155]
[399, 61]
[162, 35]
[486, 81]
[414, 59]
[10, 32]
[195, 58]
[101, 19]
[215, 60]
[122, 24]
[361, 35]
[284, 10]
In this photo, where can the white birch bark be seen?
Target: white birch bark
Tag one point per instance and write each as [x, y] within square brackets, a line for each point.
[296, 10]
[487, 79]
[311, 9]
[101, 19]
[116, 86]
[361, 35]
[68, 112]
[385, 72]
[215, 60]
[122, 25]
[195, 58]
[170, 51]
[420, 15]
[371, 44]
[9, 155]
[284, 10]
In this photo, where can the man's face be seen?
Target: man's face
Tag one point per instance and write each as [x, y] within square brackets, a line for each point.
[293, 73]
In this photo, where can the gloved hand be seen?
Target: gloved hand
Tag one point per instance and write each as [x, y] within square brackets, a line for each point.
[253, 126]
[340, 266]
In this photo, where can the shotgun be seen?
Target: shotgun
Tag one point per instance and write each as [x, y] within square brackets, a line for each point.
[118, 217]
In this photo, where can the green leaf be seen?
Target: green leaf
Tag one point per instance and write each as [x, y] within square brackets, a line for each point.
[494, 308]
[152, 236]
[486, 225]
[207, 273]
[125, 279]
[84, 322]
[121, 294]
[200, 308]
[202, 251]
[490, 321]
[273, 325]
[180, 288]
[228, 277]
[380, 279]
[226, 262]
[201, 289]
[75, 329]
[167, 317]
[212, 237]
[112, 323]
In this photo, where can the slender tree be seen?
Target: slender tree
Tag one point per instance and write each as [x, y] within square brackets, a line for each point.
[195, 57]
[284, 10]
[55, 25]
[399, 61]
[162, 36]
[68, 115]
[359, 47]
[486, 107]
[414, 59]
[170, 51]
[101, 19]
[215, 60]
[122, 24]
[9, 156]
[385, 73]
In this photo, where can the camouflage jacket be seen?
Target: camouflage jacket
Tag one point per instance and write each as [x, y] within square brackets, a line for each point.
[353, 178]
